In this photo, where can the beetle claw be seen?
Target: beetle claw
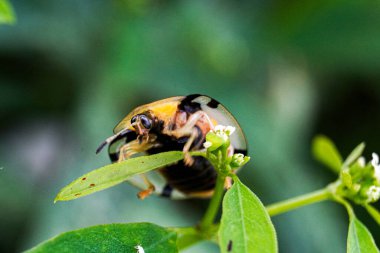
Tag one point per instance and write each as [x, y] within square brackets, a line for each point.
[188, 160]
[145, 193]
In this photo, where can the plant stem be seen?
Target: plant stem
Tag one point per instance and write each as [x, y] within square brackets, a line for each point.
[302, 200]
[347, 205]
[187, 236]
[212, 210]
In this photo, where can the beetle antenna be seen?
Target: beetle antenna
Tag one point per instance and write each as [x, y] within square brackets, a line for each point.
[110, 139]
[101, 146]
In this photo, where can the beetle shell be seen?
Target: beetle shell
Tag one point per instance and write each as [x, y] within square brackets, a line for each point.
[169, 115]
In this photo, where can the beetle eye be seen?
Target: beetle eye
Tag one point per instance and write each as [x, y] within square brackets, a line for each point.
[134, 118]
[145, 121]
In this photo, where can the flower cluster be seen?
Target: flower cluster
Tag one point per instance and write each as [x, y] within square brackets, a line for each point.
[361, 181]
[218, 144]
[218, 137]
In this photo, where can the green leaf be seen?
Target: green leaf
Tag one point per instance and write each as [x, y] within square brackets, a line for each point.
[112, 238]
[6, 13]
[325, 152]
[374, 213]
[116, 173]
[245, 225]
[359, 238]
[354, 155]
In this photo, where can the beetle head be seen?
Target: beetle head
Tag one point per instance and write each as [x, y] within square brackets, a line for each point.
[142, 123]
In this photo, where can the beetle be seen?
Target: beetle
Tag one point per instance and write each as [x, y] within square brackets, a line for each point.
[176, 123]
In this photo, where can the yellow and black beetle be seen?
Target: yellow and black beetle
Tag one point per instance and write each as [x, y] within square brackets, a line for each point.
[176, 123]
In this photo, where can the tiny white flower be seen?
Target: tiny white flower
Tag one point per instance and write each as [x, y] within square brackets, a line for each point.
[229, 130]
[207, 144]
[219, 128]
[375, 160]
[238, 159]
[222, 134]
[356, 187]
[377, 174]
[376, 166]
[373, 193]
[139, 248]
[361, 161]
[224, 131]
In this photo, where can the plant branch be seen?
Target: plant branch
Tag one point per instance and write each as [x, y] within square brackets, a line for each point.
[347, 205]
[297, 202]
[187, 236]
[212, 210]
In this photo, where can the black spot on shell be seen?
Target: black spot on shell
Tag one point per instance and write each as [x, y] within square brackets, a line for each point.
[188, 105]
[241, 151]
[213, 103]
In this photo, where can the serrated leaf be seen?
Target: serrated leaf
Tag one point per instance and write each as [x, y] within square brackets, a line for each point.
[360, 239]
[374, 213]
[325, 152]
[245, 225]
[6, 13]
[116, 173]
[112, 238]
[354, 155]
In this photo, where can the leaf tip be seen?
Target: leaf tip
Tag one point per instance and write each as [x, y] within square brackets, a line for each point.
[58, 197]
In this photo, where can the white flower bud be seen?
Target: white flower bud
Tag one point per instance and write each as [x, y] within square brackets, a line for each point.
[238, 160]
[207, 144]
[229, 130]
[376, 166]
[361, 161]
[219, 128]
[373, 193]
[356, 187]
[375, 160]
[224, 131]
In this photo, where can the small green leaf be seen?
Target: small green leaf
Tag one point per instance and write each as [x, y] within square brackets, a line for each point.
[360, 239]
[245, 226]
[215, 140]
[325, 152]
[374, 213]
[346, 177]
[354, 155]
[6, 13]
[112, 238]
[116, 173]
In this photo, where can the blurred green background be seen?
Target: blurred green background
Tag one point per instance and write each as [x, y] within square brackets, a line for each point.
[288, 70]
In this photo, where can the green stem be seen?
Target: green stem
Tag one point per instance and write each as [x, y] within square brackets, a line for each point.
[199, 153]
[373, 212]
[347, 205]
[187, 236]
[212, 210]
[302, 200]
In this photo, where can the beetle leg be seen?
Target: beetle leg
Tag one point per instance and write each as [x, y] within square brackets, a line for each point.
[190, 123]
[189, 130]
[188, 159]
[137, 146]
[227, 183]
[202, 195]
[145, 193]
[208, 194]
